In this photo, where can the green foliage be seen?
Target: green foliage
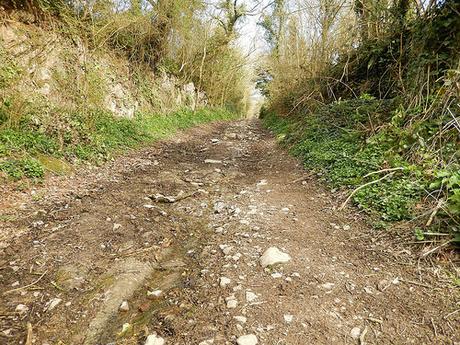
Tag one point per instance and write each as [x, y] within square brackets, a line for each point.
[94, 136]
[341, 151]
[14, 141]
[449, 181]
[19, 168]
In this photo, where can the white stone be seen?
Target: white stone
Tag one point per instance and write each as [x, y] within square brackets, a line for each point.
[232, 303]
[276, 275]
[219, 207]
[249, 339]
[207, 342]
[154, 339]
[328, 286]
[274, 256]
[116, 226]
[213, 161]
[22, 308]
[224, 281]
[154, 293]
[288, 318]
[241, 319]
[250, 296]
[124, 306]
[346, 227]
[53, 304]
[355, 332]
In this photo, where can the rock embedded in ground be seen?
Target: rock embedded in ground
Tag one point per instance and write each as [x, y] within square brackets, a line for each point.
[288, 318]
[248, 339]
[53, 303]
[250, 296]
[219, 206]
[154, 339]
[154, 293]
[213, 161]
[273, 256]
[232, 303]
[22, 308]
[124, 306]
[240, 318]
[355, 333]
[328, 286]
[224, 281]
[207, 342]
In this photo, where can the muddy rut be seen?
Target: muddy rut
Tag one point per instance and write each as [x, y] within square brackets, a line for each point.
[166, 242]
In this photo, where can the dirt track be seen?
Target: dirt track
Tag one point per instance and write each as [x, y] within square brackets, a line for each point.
[105, 236]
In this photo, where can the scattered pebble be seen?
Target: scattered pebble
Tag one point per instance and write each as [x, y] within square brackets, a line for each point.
[124, 306]
[207, 342]
[288, 318]
[154, 293]
[232, 303]
[154, 339]
[224, 281]
[328, 286]
[241, 319]
[355, 333]
[22, 308]
[52, 304]
[249, 339]
[213, 161]
[250, 296]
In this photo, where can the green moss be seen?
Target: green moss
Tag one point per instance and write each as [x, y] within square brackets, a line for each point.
[54, 165]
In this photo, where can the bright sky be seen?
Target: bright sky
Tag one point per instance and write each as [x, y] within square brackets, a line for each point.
[251, 35]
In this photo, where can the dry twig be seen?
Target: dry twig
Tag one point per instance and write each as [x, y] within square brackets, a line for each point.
[26, 286]
[363, 186]
[29, 334]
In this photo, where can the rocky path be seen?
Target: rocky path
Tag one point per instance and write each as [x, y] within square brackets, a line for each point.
[215, 237]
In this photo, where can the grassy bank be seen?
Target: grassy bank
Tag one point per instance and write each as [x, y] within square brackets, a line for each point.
[350, 151]
[32, 148]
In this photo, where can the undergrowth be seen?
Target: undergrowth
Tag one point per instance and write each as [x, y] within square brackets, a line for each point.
[353, 143]
[94, 136]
